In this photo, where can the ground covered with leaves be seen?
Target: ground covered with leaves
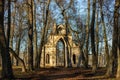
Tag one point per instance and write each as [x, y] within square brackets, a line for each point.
[61, 74]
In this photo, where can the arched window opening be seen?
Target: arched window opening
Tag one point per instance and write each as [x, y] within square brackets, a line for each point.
[74, 58]
[60, 53]
[47, 58]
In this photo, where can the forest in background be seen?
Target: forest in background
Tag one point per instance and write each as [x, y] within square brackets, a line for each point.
[26, 24]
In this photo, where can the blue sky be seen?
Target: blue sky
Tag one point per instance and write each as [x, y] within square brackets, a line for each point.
[81, 12]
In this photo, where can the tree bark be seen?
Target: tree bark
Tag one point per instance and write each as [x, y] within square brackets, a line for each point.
[43, 33]
[97, 37]
[104, 34]
[113, 56]
[6, 61]
[118, 51]
[18, 58]
[11, 41]
[35, 37]
[13, 26]
[18, 47]
[87, 35]
[117, 17]
[30, 35]
[94, 56]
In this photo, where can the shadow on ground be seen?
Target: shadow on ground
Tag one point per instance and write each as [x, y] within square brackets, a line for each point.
[60, 74]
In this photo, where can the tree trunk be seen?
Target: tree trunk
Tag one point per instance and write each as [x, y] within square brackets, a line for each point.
[118, 49]
[117, 23]
[104, 34]
[18, 48]
[111, 70]
[43, 33]
[11, 42]
[13, 26]
[12, 32]
[18, 58]
[0, 59]
[94, 56]
[6, 61]
[30, 35]
[87, 35]
[97, 37]
[35, 37]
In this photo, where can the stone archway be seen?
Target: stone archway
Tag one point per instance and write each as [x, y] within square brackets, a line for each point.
[59, 56]
[60, 53]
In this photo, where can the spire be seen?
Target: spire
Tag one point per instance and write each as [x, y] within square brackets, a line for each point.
[54, 28]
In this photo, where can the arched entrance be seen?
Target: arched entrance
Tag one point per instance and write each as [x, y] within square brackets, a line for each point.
[60, 53]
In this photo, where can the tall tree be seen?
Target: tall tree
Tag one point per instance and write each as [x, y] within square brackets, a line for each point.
[104, 33]
[118, 51]
[30, 35]
[94, 59]
[97, 36]
[113, 56]
[35, 36]
[18, 45]
[43, 37]
[117, 23]
[11, 40]
[87, 34]
[18, 58]
[4, 45]
[19, 30]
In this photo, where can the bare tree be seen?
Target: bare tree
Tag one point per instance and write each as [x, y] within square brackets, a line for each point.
[43, 37]
[118, 51]
[104, 33]
[113, 56]
[4, 46]
[35, 48]
[94, 56]
[117, 23]
[18, 58]
[12, 35]
[87, 34]
[97, 36]
[30, 35]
